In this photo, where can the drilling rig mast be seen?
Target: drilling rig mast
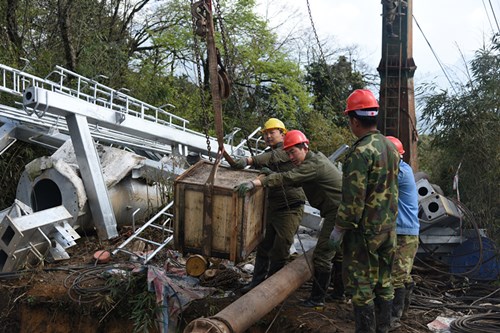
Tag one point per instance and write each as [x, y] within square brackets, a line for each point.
[396, 70]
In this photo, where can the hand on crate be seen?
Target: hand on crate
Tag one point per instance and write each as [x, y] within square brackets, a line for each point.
[266, 171]
[243, 188]
[240, 163]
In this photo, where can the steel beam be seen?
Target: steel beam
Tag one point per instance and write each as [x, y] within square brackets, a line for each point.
[90, 169]
[43, 101]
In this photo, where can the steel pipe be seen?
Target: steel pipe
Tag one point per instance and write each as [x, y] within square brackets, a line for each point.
[249, 308]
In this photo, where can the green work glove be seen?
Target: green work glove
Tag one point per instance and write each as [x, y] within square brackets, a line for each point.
[243, 188]
[266, 171]
[240, 164]
[336, 237]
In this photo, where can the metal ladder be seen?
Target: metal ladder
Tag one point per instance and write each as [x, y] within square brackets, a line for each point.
[162, 221]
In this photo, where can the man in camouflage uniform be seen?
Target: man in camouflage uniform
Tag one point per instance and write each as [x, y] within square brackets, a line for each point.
[285, 206]
[407, 229]
[322, 183]
[366, 218]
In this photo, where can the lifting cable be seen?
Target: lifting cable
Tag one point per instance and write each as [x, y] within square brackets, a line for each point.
[219, 81]
[227, 70]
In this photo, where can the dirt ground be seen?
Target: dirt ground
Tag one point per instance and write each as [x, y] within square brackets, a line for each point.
[39, 301]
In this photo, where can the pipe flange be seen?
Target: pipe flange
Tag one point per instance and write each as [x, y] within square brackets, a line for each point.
[207, 325]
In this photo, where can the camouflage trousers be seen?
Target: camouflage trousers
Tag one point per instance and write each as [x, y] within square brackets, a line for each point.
[407, 246]
[367, 265]
[323, 254]
[281, 226]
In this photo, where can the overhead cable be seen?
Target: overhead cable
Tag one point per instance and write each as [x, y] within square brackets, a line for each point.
[435, 55]
[494, 16]
[488, 16]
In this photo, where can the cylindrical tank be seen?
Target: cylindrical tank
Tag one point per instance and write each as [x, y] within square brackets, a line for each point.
[48, 183]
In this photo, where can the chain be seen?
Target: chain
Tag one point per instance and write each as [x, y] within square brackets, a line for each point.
[322, 55]
[315, 33]
[196, 29]
[223, 35]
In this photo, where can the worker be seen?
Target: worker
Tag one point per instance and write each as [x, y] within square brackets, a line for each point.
[407, 229]
[322, 183]
[365, 227]
[391, 11]
[285, 206]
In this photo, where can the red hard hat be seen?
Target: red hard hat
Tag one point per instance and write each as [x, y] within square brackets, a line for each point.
[361, 99]
[397, 143]
[294, 137]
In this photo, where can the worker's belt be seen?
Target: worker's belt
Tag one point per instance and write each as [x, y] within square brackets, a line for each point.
[292, 205]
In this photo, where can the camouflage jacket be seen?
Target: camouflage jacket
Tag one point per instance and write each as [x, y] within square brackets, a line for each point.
[277, 160]
[370, 185]
[319, 178]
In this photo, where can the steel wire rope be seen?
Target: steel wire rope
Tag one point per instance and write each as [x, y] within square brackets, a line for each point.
[435, 55]
[276, 164]
[330, 76]
[494, 15]
[236, 94]
[479, 323]
[198, 59]
[487, 15]
[322, 55]
[88, 285]
[431, 293]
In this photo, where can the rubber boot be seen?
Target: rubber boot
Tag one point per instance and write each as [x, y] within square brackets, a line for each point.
[409, 292]
[383, 310]
[275, 266]
[260, 270]
[397, 307]
[364, 319]
[338, 284]
[319, 288]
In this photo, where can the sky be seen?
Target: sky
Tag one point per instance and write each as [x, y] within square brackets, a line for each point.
[454, 29]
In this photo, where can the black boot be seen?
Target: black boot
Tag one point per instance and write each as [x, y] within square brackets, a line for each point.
[397, 306]
[275, 266]
[390, 31]
[409, 292]
[319, 288]
[338, 283]
[364, 318]
[260, 270]
[383, 315]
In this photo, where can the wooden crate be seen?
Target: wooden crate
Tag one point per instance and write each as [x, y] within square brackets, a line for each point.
[213, 220]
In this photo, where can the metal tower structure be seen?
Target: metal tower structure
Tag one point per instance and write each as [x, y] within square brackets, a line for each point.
[396, 69]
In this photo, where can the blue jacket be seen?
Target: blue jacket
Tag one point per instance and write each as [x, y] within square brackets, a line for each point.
[407, 222]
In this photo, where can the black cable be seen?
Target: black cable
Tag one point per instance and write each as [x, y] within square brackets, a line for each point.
[480, 323]
[468, 217]
[494, 16]
[435, 55]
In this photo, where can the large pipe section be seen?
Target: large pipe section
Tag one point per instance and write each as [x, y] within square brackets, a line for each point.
[248, 309]
[52, 181]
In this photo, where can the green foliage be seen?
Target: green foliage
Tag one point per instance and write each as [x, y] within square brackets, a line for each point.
[137, 302]
[143, 311]
[330, 85]
[325, 136]
[464, 129]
